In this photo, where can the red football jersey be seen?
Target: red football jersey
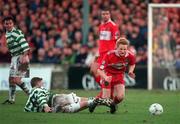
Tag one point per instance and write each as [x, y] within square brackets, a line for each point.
[114, 63]
[108, 34]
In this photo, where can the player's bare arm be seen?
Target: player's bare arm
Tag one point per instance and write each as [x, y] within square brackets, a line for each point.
[24, 58]
[47, 109]
[104, 76]
[131, 71]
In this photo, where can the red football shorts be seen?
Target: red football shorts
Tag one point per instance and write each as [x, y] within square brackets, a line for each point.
[116, 79]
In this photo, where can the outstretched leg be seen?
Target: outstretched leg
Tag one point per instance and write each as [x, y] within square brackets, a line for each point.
[105, 102]
[70, 103]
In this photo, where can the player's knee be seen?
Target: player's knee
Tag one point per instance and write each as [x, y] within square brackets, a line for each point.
[119, 99]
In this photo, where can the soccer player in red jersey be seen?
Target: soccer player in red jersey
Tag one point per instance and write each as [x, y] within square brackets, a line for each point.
[112, 71]
[108, 34]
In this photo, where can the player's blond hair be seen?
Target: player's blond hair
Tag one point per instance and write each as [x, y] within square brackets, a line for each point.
[122, 41]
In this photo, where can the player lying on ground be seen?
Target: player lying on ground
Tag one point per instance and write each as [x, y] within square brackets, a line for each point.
[112, 71]
[41, 100]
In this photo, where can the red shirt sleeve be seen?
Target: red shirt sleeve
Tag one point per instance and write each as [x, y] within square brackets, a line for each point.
[115, 32]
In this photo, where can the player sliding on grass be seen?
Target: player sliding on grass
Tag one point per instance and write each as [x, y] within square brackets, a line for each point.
[112, 71]
[41, 100]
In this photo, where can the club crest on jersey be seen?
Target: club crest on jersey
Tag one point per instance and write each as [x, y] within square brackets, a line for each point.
[103, 62]
[101, 67]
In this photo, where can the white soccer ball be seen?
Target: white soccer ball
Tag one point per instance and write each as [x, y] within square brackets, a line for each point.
[156, 109]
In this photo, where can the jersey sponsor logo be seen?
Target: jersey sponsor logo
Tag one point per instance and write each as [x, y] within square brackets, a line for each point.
[105, 35]
[118, 65]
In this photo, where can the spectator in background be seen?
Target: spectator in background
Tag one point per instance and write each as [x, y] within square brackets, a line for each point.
[82, 55]
[91, 55]
[165, 36]
[51, 57]
[177, 56]
[141, 56]
[41, 55]
[68, 57]
[41, 20]
[78, 37]
[4, 54]
[63, 39]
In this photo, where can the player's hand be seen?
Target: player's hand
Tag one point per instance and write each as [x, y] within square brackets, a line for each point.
[93, 68]
[47, 109]
[24, 59]
[131, 74]
[108, 78]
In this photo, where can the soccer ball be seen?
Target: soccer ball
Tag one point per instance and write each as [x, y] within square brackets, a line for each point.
[156, 109]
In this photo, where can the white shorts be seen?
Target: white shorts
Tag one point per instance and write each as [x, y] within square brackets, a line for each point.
[17, 69]
[65, 99]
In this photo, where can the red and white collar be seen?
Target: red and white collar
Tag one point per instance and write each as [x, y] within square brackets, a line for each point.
[107, 21]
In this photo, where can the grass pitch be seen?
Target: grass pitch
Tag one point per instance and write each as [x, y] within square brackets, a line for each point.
[133, 110]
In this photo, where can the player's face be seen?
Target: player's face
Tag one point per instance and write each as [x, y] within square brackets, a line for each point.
[105, 15]
[122, 49]
[9, 24]
[40, 84]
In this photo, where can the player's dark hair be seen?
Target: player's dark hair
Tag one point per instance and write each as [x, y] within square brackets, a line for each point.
[7, 18]
[105, 9]
[34, 81]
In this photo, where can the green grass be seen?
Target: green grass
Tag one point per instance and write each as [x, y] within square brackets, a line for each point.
[133, 110]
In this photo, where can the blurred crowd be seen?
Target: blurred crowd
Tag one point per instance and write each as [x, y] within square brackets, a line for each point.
[53, 28]
[166, 37]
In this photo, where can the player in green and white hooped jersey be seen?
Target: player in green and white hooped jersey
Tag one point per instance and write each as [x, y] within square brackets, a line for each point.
[18, 47]
[42, 100]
